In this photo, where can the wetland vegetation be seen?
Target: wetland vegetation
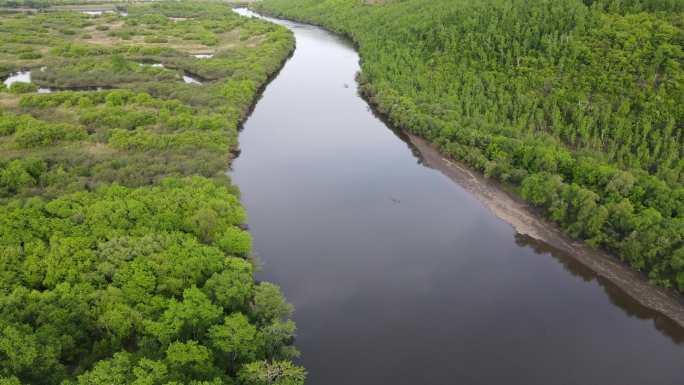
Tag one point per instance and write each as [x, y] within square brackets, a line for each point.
[123, 253]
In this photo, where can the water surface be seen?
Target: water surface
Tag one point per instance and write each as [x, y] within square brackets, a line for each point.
[190, 80]
[398, 275]
[23, 77]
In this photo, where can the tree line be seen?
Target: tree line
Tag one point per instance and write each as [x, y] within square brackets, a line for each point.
[574, 104]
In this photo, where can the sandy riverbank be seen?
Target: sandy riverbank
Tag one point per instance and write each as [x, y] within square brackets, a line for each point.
[525, 221]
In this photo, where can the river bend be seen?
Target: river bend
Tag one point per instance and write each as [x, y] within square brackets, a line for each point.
[399, 275]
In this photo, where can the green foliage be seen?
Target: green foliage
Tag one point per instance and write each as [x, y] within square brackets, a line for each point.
[235, 241]
[151, 125]
[129, 273]
[236, 338]
[233, 287]
[269, 305]
[42, 134]
[22, 88]
[18, 174]
[123, 258]
[575, 104]
[30, 55]
[272, 373]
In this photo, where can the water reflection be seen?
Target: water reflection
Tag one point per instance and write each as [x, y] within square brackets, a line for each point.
[18, 77]
[399, 275]
[190, 80]
[617, 296]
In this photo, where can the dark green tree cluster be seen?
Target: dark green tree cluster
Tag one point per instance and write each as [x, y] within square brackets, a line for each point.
[136, 286]
[123, 254]
[578, 105]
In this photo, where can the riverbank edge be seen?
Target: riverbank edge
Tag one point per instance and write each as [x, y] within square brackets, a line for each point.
[235, 151]
[525, 220]
[218, 180]
[513, 210]
[271, 77]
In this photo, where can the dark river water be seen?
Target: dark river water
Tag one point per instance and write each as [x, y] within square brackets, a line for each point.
[398, 275]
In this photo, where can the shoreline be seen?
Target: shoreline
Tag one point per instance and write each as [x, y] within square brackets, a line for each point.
[526, 221]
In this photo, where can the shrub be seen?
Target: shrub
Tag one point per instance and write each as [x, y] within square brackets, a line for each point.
[22, 88]
[37, 133]
[30, 56]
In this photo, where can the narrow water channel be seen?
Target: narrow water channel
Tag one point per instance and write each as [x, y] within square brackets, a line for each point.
[399, 275]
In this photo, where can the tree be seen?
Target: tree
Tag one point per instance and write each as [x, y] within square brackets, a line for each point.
[269, 304]
[233, 287]
[190, 360]
[235, 338]
[235, 242]
[190, 318]
[271, 373]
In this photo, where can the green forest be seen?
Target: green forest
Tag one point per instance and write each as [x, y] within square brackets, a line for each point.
[575, 105]
[124, 256]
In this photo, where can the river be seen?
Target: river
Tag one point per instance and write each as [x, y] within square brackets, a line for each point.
[401, 276]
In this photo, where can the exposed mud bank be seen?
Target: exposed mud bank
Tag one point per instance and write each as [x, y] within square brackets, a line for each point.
[526, 221]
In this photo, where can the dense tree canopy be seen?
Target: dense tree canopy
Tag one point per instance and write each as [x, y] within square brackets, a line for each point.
[576, 104]
[138, 271]
[123, 254]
